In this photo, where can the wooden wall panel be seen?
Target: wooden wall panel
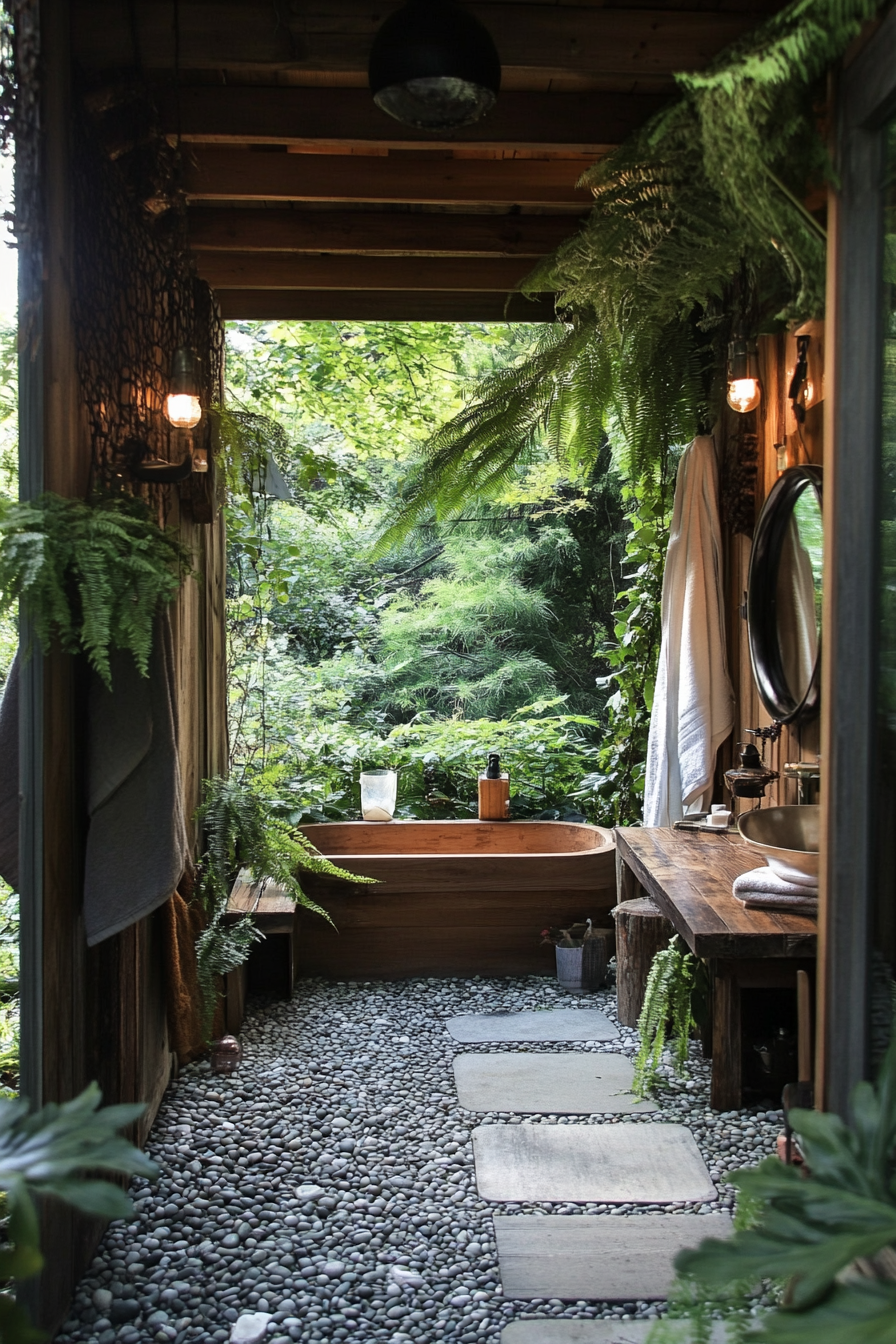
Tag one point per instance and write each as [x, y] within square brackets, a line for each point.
[775, 425]
[104, 1009]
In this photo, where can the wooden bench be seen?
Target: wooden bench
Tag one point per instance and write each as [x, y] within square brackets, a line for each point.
[688, 874]
[273, 962]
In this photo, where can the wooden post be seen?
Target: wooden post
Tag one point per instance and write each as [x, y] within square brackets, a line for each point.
[725, 1086]
[641, 931]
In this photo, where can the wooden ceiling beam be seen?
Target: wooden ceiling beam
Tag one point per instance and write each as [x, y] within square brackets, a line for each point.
[298, 305]
[588, 123]
[228, 175]
[277, 270]
[334, 36]
[377, 233]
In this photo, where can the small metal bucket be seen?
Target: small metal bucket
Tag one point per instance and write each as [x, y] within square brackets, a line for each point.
[569, 969]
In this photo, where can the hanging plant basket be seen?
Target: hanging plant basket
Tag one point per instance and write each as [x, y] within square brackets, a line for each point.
[90, 577]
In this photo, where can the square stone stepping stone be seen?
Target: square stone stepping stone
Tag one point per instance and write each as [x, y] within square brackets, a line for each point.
[597, 1259]
[595, 1332]
[564, 1083]
[606, 1164]
[555, 1024]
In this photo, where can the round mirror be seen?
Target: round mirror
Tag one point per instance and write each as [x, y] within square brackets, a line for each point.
[784, 596]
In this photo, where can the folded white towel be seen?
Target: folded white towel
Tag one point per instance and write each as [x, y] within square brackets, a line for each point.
[762, 889]
[794, 905]
[767, 882]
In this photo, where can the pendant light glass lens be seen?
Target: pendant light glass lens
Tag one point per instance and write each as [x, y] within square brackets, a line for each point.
[436, 102]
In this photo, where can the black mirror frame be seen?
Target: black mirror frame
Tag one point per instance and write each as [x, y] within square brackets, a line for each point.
[762, 601]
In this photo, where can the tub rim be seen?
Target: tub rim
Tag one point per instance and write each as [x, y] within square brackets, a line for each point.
[606, 834]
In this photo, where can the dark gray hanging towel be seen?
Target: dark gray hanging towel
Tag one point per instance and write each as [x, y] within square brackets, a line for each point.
[137, 845]
[9, 778]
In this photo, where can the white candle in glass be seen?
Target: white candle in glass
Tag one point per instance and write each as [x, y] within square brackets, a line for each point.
[379, 793]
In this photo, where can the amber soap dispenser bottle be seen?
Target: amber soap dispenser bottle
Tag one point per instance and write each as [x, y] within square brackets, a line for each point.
[494, 791]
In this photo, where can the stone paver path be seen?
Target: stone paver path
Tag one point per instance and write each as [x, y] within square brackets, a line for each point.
[559, 1024]
[595, 1332]
[566, 1083]
[611, 1164]
[597, 1259]
[329, 1186]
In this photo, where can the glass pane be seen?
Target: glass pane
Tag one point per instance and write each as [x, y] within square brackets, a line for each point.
[883, 941]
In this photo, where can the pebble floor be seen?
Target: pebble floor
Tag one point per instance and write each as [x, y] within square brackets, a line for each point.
[331, 1184]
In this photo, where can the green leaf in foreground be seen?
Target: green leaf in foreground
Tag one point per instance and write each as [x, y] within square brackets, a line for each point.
[829, 1232]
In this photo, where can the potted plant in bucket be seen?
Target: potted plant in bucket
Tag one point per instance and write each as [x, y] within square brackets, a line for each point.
[583, 952]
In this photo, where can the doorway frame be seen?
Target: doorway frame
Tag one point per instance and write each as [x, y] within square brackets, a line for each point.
[867, 97]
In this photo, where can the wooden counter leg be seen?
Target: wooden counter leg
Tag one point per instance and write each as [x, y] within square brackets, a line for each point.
[725, 1088]
[628, 888]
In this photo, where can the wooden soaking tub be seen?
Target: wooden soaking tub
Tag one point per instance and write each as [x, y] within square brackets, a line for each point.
[453, 897]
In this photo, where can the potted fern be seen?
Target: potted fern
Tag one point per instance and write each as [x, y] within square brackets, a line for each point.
[242, 831]
[676, 986]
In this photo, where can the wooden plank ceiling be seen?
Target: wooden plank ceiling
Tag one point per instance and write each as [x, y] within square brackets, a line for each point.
[306, 201]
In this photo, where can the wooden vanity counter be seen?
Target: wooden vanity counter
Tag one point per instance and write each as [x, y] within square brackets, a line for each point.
[688, 875]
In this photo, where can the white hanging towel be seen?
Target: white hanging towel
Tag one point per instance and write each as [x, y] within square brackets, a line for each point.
[693, 704]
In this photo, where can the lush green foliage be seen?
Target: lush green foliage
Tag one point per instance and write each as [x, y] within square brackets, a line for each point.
[363, 390]
[316, 774]
[91, 575]
[331, 650]
[241, 831]
[48, 1152]
[829, 1231]
[619, 779]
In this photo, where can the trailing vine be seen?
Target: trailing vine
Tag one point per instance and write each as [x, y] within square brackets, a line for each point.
[667, 1004]
[91, 576]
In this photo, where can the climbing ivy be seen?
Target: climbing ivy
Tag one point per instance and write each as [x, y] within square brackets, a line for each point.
[632, 657]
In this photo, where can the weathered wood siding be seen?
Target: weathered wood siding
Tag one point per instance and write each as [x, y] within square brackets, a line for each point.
[104, 1009]
[775, 424]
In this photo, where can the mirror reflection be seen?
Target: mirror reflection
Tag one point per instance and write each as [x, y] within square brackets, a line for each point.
[784, 597]
[799, 595]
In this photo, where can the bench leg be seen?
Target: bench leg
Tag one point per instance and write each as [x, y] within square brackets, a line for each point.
[234, 1000]
[725, 1088]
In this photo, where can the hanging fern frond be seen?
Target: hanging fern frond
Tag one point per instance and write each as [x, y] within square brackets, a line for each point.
[92, 576]
[710, 189]
[667, 1003]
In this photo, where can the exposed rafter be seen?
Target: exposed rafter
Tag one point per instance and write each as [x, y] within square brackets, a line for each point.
[295, 305]
[376, 233]
[341, 118]
[334, 36]
[278, 270]
[228, 174]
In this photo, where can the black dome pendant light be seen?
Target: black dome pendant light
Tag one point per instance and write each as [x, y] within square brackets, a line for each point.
[434, 66]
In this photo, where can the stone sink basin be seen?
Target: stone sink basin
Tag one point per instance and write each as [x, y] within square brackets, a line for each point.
[787, 838]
